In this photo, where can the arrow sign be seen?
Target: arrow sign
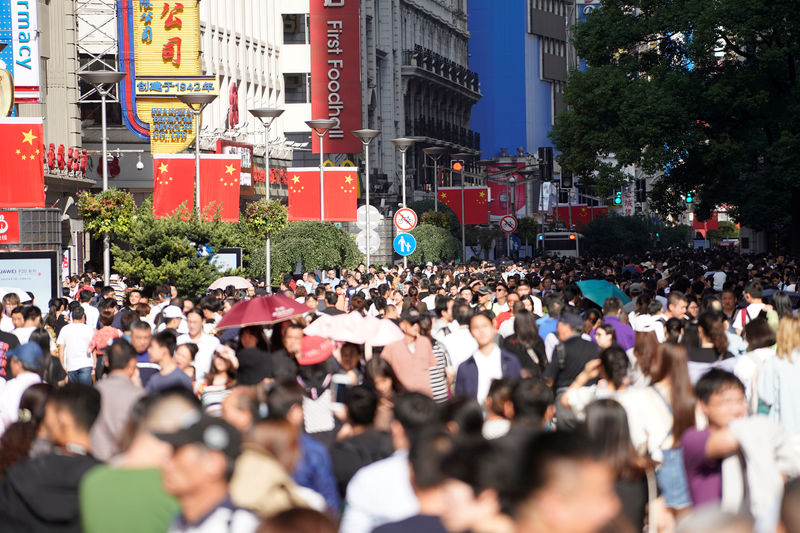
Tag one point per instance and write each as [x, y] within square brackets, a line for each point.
[508, 224]
[405, 244]
[405, 219]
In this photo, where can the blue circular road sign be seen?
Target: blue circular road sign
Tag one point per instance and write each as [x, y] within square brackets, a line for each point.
[405, 244]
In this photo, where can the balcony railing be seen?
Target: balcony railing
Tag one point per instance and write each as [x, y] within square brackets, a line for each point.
[434, 63]
[444, 131]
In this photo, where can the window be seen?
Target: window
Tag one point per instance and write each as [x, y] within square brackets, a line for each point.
[295, 28]
[296, 88]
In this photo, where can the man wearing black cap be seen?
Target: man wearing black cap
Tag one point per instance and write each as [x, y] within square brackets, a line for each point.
[569, 358]
[198, 474]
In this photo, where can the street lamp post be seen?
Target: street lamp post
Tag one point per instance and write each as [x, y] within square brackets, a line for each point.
[403, 144]
[366, 136]
[465, 156]
[266, 115]
[321, 127]
[103, 81]
[201, 101]
[435, 153]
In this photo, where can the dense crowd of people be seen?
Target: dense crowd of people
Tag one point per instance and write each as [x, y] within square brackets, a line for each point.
[508, 396]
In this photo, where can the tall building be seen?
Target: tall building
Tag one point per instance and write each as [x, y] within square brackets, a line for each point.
[415, 82]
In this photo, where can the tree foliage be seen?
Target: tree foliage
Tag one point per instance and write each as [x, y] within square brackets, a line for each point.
[434, 244]
[316, 245]
[265, 216]
[727, 230]
[109, 211]
[705, 91]
[616, 235]
[482, 237]
[527, 229]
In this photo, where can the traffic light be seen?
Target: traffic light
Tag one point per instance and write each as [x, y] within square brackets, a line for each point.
[618, 198]
[457, 165]
[546, 163]
[689, 197]
[566, 179]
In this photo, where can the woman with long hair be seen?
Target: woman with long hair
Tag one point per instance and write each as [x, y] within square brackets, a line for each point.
[659, 415]
[612, 370]
[607, 425]
[219, 380]
[19, 439]
[440, 381]
[526, 344]
[55, 319]
[713, 349]
[780, 376]
[52, 370]
[384, 380]
[781, 308]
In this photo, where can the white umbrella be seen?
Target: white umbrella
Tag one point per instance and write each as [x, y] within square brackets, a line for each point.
[352, 327]
[238, 282]
[23, 296]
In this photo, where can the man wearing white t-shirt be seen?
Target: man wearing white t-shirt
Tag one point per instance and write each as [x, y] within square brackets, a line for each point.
[33, 318]
[206, 344]
[752, 295]
[89, 311]
[73, 348]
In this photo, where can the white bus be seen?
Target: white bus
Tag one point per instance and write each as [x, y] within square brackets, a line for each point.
[560, 243]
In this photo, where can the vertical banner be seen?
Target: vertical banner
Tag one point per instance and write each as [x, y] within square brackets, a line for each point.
[19, 28]
[336, 73]
[500, 193]
[22, 156]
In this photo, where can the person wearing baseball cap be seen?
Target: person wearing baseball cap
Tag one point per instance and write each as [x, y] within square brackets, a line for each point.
[198, 474]
[171, 318]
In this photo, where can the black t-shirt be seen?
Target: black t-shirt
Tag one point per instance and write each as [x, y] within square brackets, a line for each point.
[706, 355]
[633, 496]
[418, 524]
[515, 347]
[577, 352]
[348, 455]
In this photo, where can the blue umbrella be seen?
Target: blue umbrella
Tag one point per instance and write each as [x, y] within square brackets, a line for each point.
[597, 290]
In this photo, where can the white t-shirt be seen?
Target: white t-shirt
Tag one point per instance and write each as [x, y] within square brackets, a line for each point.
[24, 333]
[6, 324]
[744, 316]
[92, 315]
[75, 339]
[206, 346]
[489, 368]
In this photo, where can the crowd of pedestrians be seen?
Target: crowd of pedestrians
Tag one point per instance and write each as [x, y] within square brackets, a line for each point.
[512, 397]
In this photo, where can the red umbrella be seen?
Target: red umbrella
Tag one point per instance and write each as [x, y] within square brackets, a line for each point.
[262, 311]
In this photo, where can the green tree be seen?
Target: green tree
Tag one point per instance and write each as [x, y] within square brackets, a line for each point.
[676, 236]
[316, 245]
[527, 230]
[705, 91]
[166, 250]
[616, 235]
[727, 230]
[483, 237]
[434, 244]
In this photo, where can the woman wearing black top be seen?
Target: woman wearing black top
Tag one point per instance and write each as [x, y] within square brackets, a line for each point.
[607, 425]
[526, 344]
[712, 351]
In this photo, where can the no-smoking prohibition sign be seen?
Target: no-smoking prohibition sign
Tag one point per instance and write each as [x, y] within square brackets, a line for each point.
[405, 219]
[508, 224]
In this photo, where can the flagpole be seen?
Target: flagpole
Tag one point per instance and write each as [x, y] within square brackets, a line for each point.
[402, 144]
[201, 101]
[465, 157]
[320, 127]
[366, 136]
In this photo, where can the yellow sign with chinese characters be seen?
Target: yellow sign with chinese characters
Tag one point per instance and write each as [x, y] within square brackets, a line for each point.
[166, 41]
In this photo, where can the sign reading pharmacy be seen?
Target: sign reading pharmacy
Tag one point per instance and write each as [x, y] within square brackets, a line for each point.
[19, 27]
[159, 48]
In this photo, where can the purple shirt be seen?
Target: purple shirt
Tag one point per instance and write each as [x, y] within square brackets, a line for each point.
[626, 337]
[703, 474]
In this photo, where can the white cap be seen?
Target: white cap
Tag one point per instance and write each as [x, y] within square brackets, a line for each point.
[172, 311]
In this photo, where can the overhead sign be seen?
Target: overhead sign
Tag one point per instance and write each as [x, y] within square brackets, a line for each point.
[508, 224]
[405, 219]
[9, 227]
[159, 48]
[404, 244]
[19, 27]
[336, 72]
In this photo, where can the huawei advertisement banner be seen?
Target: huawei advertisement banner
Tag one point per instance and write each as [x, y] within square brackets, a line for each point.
[36, 272]
[336, 73]
[502, 195]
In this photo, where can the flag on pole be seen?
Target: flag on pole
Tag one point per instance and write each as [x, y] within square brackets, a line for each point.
[476, 203]
[173, 184]
[220, 176]
[341, 188]
[22, 154]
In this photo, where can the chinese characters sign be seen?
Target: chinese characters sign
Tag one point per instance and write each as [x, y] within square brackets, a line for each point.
[9, 227]
[160, 50]
[336, 72]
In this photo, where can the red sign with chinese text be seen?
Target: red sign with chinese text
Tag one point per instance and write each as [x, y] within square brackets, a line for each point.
[336, 73]
[9, 227]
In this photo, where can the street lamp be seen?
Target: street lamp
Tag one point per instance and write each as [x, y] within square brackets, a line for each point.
[201, 101]
[321, 127]
[435, 153]
[266, 115]
[403, 144]
[103, 81]
[366, 136]
[465, 156]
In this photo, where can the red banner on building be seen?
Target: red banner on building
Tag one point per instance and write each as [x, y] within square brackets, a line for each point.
[341, 187]
[336, 73]
[22, 154]
[501, 193]
[9, 227]
[173, 184]
[580, 214]
[476, 203]
[220, 177]
[711, 224]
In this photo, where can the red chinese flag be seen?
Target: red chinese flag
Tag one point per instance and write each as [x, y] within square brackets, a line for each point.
[476, 203]
[711, 224]
[219, 186]
[341, 190]
[22, 154]
[173, 184]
